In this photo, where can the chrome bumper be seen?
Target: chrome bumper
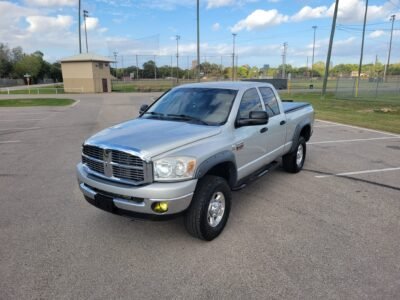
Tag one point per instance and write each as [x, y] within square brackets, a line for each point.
[177, 194]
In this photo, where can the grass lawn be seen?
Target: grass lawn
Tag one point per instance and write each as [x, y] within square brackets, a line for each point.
[383, 114]
[35, 102]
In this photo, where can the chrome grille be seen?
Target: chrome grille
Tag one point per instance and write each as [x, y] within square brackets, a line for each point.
[130, 174]
[93, 151]
[125, 159]
[93, 165]
[116, 165]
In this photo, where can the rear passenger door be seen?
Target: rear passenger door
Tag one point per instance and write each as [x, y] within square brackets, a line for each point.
[276, 134]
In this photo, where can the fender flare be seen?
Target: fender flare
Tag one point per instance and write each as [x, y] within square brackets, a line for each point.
[297, 132]
[218, 158]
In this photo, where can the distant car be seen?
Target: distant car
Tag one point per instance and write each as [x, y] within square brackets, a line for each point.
[190, 148]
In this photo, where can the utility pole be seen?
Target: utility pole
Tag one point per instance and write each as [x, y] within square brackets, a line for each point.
[115, 63]
[328, 58]
[137, 68]
[79, 26]
[392, 18]
[362, 48]
[198, 40]
[285, 44]
[85, 15]
[233, 56]
[155, 68]
[178, 37]
[313, 52]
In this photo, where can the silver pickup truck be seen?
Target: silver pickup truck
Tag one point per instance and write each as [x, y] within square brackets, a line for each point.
[188, 150]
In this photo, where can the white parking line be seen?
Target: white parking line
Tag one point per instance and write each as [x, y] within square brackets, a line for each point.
[358, 172]
[20, 120]
[19, 128]
[357, 127]
[9, 142]
[355, 140]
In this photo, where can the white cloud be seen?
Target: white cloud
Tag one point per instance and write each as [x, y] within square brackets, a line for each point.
[222, 3]
[376, 34]
[45, 23]
[47, 3]
[219, 3]
[91, 23]
[308, 12]
[216, 27]
[260, 19]
[353, 11]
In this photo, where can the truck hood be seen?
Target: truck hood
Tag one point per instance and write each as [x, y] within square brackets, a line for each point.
[149, 137]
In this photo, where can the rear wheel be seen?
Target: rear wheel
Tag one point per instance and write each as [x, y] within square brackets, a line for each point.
[293, 162]
[210, 207]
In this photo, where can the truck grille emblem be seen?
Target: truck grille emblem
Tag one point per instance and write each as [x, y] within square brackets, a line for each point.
[108, 170]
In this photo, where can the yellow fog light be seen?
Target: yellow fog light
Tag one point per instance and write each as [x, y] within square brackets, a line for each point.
[160, 207]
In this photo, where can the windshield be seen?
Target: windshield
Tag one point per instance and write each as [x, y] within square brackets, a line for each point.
[207, 106]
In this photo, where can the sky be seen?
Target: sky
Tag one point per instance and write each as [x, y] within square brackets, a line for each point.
[149, 29]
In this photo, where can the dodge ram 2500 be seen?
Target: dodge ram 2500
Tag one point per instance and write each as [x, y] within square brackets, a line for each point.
[187, 151]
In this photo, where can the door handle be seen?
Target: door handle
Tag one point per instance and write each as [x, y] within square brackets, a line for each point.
[264, 129]
[283, 122]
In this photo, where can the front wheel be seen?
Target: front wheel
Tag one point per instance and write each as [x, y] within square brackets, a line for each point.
[210, 207]
[293, 162]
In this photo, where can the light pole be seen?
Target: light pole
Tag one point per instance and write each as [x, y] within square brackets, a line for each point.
[178, 37]
[198, 40]
[392, 18]
[233, 56]
[85, 15]
[115, 63]
[79, 26]
[313, 52]
[328, 58]
[362, 48]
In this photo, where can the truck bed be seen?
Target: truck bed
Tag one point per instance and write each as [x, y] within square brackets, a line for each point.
[289, 107]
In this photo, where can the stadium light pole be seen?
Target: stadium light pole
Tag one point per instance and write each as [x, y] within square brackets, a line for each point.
[392, 18]
[85, 15]
[178, 37]
[328, 58]
[233, 56]
[362, 48]
[313, 52]
[79, 26]
[198, 41]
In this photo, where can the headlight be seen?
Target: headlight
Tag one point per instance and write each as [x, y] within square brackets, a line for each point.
[174, 168]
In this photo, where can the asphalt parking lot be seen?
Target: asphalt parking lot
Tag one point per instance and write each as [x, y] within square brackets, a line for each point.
[329, 232]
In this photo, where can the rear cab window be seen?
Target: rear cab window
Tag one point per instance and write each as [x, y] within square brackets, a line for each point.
[270, 101]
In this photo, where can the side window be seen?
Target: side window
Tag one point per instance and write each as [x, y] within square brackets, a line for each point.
[250, 102]
[271, 104]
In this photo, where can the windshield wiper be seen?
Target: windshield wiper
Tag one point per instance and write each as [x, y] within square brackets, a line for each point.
[154, 113]
[188, 118]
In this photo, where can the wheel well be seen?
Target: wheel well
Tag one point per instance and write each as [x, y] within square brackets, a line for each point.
[226, 170]
[306, 132]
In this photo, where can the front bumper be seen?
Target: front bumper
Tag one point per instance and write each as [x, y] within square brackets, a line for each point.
[138, 199]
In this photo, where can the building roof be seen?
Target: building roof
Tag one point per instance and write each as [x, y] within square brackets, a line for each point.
[86, 57]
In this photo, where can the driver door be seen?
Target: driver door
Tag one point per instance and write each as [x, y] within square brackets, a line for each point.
[249, 146]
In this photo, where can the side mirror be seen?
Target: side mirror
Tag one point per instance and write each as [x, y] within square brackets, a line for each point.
[255, 118]
[143, 108]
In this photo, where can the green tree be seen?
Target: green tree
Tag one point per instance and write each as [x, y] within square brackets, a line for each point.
[28, 64]
[5, 61]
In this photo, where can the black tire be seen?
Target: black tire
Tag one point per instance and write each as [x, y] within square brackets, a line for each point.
[289, 161]
[196, 217]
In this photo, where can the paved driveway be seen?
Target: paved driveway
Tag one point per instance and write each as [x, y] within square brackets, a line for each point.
[329, 232]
